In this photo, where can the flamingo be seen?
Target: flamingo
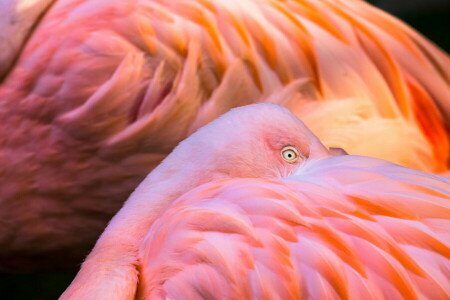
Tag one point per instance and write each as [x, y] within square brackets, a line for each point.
[95, 94]
[222, 218]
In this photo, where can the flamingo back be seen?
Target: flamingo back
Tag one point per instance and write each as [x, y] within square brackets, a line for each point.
[345, 227]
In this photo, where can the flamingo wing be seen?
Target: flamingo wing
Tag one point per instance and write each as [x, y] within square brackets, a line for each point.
[344, 227]
[162, 69]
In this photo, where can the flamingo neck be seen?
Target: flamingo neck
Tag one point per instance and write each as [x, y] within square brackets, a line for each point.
[151, 198]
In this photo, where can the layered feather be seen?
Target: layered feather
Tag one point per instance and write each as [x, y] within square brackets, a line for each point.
[345, 227]
[103, 90]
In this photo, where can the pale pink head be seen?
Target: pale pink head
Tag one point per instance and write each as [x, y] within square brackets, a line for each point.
[259, 140]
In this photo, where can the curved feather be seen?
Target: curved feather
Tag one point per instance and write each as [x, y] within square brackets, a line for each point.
[102, 91]
[343, 227]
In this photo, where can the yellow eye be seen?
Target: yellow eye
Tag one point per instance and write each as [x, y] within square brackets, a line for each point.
[290, 154]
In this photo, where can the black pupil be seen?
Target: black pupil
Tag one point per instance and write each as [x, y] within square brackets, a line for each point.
[290, 155]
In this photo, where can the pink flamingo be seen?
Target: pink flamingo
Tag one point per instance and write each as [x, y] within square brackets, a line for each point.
[220, 219]
[94, 94]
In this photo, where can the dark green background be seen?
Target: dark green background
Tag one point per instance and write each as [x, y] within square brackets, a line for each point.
[430, 17]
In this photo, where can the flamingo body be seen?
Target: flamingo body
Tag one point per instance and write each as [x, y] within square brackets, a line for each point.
[94, 94]
[346, 227]
[237, 220]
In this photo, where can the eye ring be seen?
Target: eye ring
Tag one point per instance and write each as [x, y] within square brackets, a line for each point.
[290, 154]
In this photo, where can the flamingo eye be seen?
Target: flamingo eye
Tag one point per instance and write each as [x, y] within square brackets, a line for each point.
[290, 154]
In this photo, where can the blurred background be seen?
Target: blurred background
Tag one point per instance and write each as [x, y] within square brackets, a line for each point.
[429, 17]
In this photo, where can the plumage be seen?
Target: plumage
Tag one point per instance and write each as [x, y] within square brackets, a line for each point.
[238, 221]
[345, 227]
[94, 94]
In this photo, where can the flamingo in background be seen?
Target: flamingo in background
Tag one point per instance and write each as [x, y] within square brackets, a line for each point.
[94, 94]
[346, 226]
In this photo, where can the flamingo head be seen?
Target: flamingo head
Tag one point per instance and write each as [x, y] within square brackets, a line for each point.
[258, 140]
